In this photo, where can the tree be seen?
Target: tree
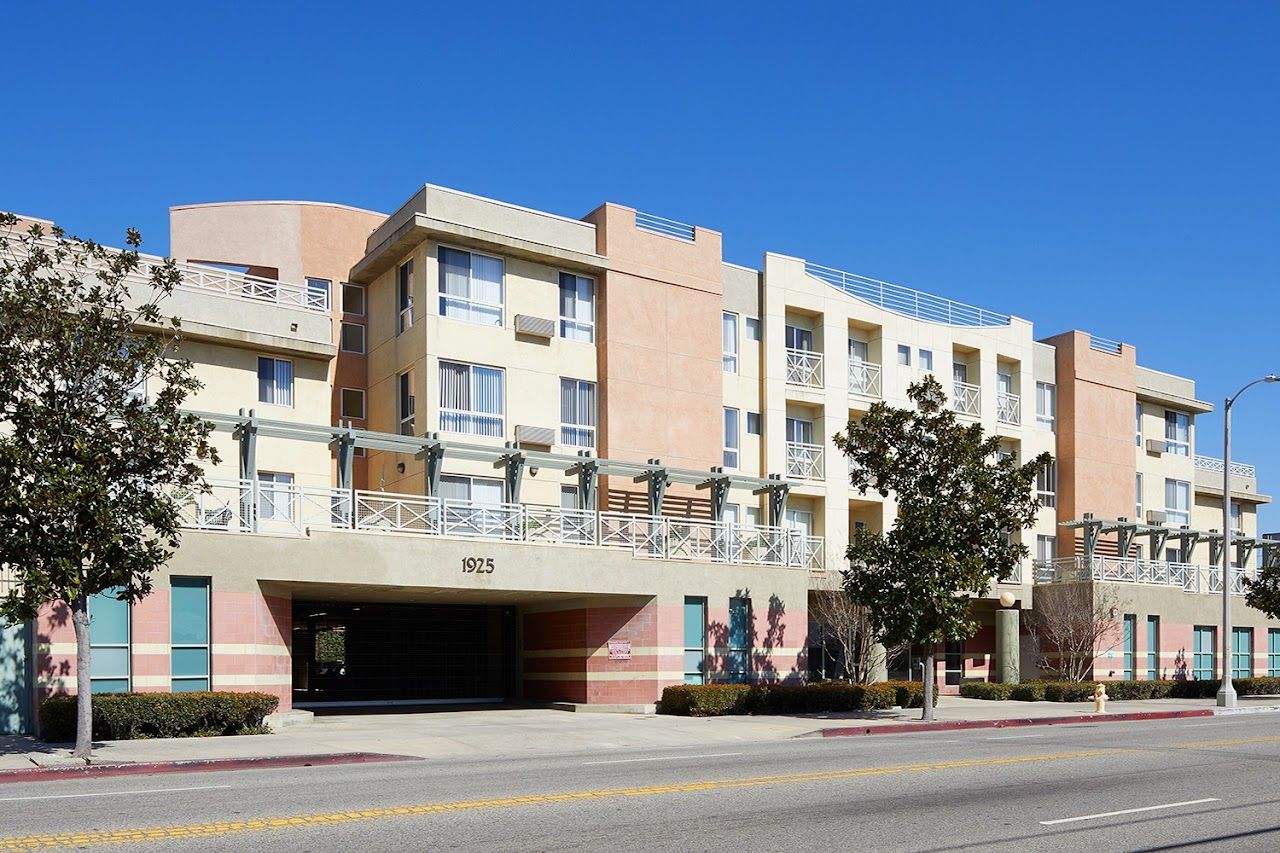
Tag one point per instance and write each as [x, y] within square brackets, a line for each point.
[1071, 622]
[88, 468]
[958, 501]
[1263, 592]
[842, 623]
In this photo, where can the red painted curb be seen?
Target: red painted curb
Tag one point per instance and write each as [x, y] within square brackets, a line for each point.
[36, 774]
[957, 725]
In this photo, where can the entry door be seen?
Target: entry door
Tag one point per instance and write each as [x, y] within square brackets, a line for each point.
[1130, 645]
[953, 659]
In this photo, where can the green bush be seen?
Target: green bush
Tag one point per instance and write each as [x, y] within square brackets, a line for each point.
[705, 700]
[715, 700]
[1028, 691]
[126, 716]
[910, 694]
[986, 690]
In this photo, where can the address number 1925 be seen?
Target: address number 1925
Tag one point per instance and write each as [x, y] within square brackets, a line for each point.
[477, 565]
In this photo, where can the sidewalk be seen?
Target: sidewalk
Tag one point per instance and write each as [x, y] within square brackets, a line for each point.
[526, 731]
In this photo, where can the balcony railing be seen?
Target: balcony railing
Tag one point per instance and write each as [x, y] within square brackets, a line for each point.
[967, 399]
[804, 367]
[1238, 469]
[1008, 408]
[241, 506]
[864, 379]
[804, 460]
[1187, 576]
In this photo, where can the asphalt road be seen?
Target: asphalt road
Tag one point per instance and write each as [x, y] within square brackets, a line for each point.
[1210, 783]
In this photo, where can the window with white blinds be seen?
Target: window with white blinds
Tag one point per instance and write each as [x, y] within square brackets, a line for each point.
[275, 381]
[471, 399]
[470, 287]
[577, 413]
[577, 307]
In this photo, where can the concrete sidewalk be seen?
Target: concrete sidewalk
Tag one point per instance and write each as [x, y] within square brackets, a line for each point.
[527, 731]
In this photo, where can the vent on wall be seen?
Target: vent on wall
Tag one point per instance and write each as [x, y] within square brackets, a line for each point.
[535, 436]
[535, 327]
[1156, 445]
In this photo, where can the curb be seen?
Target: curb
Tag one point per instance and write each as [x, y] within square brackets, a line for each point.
[959, 725]
[203, 765]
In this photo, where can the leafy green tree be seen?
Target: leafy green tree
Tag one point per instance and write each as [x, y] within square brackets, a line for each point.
[1263, 592]
[958, 501]
[88, 468]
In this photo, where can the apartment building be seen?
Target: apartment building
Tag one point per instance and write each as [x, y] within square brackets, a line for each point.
[474, 452]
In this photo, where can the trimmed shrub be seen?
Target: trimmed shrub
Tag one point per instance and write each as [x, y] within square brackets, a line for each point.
[716, 700]
[705, 700]
[986, 690]
[881, 696]
[1069, 691]
[1028, 691]
[127, 716]
[910, 694]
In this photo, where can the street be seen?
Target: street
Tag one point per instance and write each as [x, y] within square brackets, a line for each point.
[1176, 784]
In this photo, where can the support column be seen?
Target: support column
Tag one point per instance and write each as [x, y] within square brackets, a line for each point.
[1007, 651]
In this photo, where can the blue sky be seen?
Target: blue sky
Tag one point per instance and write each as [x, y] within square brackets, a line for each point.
[1109, 167]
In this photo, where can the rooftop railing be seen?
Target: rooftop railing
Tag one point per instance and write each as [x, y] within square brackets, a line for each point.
[242, 506]
[1238, 469]
[906, 301]
[1105, 345]
[666, 227]
[1187, 576]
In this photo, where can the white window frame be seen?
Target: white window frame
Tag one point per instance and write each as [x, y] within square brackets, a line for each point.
[342, 400]
[574, 327]
[319, 285]
[574, 432]
[472, 421]
[1047, 484]
[1180, 492]
[1137, 425]
[1046, 548]
[275, 503]
[342, 336]
[924, 358]
[406, 402]
[753, 329]
[732, 437]
[1137, 488]
[364, 295]
[276, 396]
[469, 309]
[1174, 421]
[729, 341]
[757, 417]
[404, 296]
[1047, 406]
[904, 355]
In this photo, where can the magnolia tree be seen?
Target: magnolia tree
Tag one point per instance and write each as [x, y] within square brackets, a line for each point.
[958, 500]
[88, 467]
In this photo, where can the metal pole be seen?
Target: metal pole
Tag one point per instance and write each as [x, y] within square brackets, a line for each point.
[1227, 691]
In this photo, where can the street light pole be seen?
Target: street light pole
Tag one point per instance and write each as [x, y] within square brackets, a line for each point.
[1227, 690]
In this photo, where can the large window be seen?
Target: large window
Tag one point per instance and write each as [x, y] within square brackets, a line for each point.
[471, 399]
[798, 338]
[275, 381]
[1237, 527]
[731, 442]
[189, 634]
[353, 338]
[577, 307]
[1130, 644]
[695, 640]
[577, 413]
[1137, 425]
[729, 341]
[1273, 652]
[406, 402]
[1241, 652]
[470, 287]
[799, 431]
[352, 402]
[1204, 663]
[1153, 648]
[1046, 406]
[1046, 548]
[275, 496]
[109, 642]
[478, 490]
[1137, 490]
[1177, 501]
[404, 295]
[1177, 433]
[1047, 484]
[738, 661]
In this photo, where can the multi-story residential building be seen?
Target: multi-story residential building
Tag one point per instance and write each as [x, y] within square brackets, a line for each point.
[474, 452]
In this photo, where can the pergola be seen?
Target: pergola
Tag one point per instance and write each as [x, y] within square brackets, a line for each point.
[1159, 535]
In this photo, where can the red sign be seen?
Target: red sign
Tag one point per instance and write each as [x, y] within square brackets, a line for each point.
[619, 650]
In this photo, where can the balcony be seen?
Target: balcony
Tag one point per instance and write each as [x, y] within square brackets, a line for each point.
[864, 379]
[1238, 469]
[804, 368]
[1188, 577]
[1008, 408]
[967, 399]
[804, 460]
[241, 506]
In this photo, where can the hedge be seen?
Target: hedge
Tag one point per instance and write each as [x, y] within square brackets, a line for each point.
[1082, 691]
[986, 690]
[715, 700]
[126, 716]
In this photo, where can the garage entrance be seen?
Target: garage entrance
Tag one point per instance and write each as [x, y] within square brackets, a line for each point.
[364, 654]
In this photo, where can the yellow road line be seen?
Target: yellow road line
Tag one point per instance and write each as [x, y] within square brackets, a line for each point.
[223, 828]
[1204, 744]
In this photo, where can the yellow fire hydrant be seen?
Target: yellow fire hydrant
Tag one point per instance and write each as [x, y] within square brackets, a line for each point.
[1100, 699]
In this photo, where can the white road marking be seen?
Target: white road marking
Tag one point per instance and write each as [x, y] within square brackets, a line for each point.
[1128, 811]
[112, 793]
[1013, 737]
[662, 758]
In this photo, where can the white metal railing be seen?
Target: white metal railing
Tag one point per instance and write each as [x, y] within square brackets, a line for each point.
[215, 280]
[864, 379]
[804, 367]
[243, 506]
[664, 226]
[1238, 469]
[904, 300]
[1186, 576]
[1105, 345]
[967, 399]
[1008, 408]
[804, 460]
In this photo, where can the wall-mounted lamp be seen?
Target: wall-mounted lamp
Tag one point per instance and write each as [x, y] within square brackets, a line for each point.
[400, 468]
[533, 471]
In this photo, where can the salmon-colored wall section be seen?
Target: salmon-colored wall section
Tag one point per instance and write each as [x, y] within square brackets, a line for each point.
[561, 644]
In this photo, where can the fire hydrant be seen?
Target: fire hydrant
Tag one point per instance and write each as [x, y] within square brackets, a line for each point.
[1100, 699]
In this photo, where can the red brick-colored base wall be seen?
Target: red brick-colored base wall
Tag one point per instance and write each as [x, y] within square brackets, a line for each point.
[566, 655]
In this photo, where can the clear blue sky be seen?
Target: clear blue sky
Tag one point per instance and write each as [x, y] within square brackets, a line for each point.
[1109, 167]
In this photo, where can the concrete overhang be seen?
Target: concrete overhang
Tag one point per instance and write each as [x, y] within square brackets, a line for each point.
[1176, 392]
[1242, 497]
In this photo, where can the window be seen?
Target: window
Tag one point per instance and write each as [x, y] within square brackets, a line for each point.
[577, 307]
[188, 634]
[1273, 652]
[1203, 662]
[754, 517]
[1177, 501]
[353, 337]
[926, 359]
[695, 640]
[1177, 433]
[1236, 528]
[318, 292]
[753, 423]
[960, 372]
[798, 338]
[485, 491]
[352, 403]
[730, 438]
[404, 295]
[353, 299]
[570, 497]
[1130, 644]
[1241, 652]
[799, 431]
[754, 331]
[471, 399]
[1046, 548]
[1046, 406]
[1153, 648]
[577, 413]
[275, 381]
[470, 286]
[1137, 490]
[109, 642]
[406, 402]
[1137, 426]
[1047, 484]
[904, 355]
[275, 496]
[858, 351]
[738, 661]
[729, 341]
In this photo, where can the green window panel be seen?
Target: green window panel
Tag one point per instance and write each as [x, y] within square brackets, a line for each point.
[1241, 652]
[695, 640]
[1130, 644]
[738, 664]
[1203, 661]
[1273, 652]
[109, 642]
[1153, 648]
[189, 634]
